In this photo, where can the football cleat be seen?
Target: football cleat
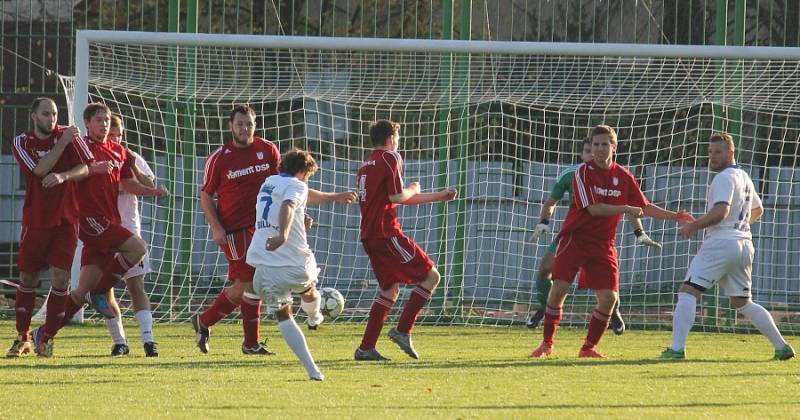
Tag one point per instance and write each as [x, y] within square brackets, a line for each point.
[314, 324]
[20, 347]
[542, 351]
[670, 354]
[203, 333]
[535, 319]
[591, 352]
[316, 376]
[786, 353]
[370, 355]
[100, 304]
[119, 350]
[42, 345]
[151, 349]
[403, 340]
[258, 349]
[617, 324]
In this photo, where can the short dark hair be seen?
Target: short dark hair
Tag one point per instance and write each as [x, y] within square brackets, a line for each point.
[93, 108]
[297, 160]
[604, 129]
[116, 121]
[380, 130]
[722, 137]
[241, 109]
[36, 102]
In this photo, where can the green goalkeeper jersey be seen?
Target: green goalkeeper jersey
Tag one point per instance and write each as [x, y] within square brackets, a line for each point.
[564, 183]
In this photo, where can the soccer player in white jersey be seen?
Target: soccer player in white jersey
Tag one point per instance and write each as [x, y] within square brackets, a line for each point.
[279, 251]
[128, 205]
[726, 256]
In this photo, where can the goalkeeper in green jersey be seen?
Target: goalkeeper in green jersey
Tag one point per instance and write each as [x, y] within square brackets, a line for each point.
[543, 280]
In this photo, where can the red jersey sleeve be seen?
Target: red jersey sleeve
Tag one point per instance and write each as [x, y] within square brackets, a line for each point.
[26, 162]
[635, 195]
[394, 168]
[583, 188]
[276, 157]
[81, 152]
[211, 177]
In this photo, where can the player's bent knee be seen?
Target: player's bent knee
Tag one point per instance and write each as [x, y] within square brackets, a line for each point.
[691, 288]
[739, 301]
[29, 280]
[284, 313]
[392, 292]
[60, 278]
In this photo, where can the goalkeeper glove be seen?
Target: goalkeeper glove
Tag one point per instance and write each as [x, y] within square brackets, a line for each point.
[643, 239]
[542, 228]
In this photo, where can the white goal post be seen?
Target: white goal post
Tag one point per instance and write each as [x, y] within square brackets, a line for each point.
[499, 120]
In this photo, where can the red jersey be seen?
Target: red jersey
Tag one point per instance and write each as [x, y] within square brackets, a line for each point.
[236, 175]
[592, 184]
[48, 207]
[379, 177]
[98, 193]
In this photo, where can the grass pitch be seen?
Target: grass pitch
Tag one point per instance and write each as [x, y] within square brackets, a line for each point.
[465, 372]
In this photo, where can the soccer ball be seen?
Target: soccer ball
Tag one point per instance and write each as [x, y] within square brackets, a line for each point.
[332, 303]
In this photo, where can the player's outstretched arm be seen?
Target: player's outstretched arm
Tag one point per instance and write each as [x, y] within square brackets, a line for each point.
[77, 173]
[606, 210]
[318, 197]
[448, 194]
[285, 219]
[714, 216]
[641, 236]
[652, 210]
[132, 186]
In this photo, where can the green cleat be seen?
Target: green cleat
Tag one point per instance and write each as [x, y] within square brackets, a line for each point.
[670, 354]
[786, 353]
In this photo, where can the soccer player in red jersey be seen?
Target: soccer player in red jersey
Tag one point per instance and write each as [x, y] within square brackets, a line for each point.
[603, 193]
[109, 250]
[49, 156]
[235, 172]
[395, 257]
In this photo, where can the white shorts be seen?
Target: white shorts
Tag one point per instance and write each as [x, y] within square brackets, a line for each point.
[275, 285]
[143, 267]
[140, 269]
[727, 261]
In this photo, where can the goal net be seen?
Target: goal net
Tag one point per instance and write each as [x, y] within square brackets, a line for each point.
[497, 120]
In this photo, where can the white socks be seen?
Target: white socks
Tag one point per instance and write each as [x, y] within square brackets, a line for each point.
[683, 320]
[297, 342]
[114, 326]
[145, 320]
[762, 319]
[312, 310]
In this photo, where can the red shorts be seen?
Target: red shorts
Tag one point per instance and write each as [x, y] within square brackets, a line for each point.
[235, 250]
[397, 260]
[50, 246]
[101, 239]
[597, 262]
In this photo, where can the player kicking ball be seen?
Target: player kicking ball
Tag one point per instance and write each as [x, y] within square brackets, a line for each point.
[726, 256]
[279, 251]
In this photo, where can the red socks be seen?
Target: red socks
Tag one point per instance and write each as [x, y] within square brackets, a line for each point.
[56, 308]
[55, 323]
[26, 298]
[377, 316]
[552, 316]
[251, 320]
[112, 273]
[221, 308]
[597, 327]
[419, 297]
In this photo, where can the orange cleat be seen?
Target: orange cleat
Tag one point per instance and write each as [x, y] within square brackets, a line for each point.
[591, 352]
[542, 351]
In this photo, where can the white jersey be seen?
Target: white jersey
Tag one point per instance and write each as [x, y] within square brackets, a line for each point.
[734, 187]
[295, 251]
[128, 204]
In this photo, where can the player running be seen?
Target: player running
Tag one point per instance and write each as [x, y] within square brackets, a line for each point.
[543, 280]
[604, 191]
[726, 256]
[395, 258]
[50, 156]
